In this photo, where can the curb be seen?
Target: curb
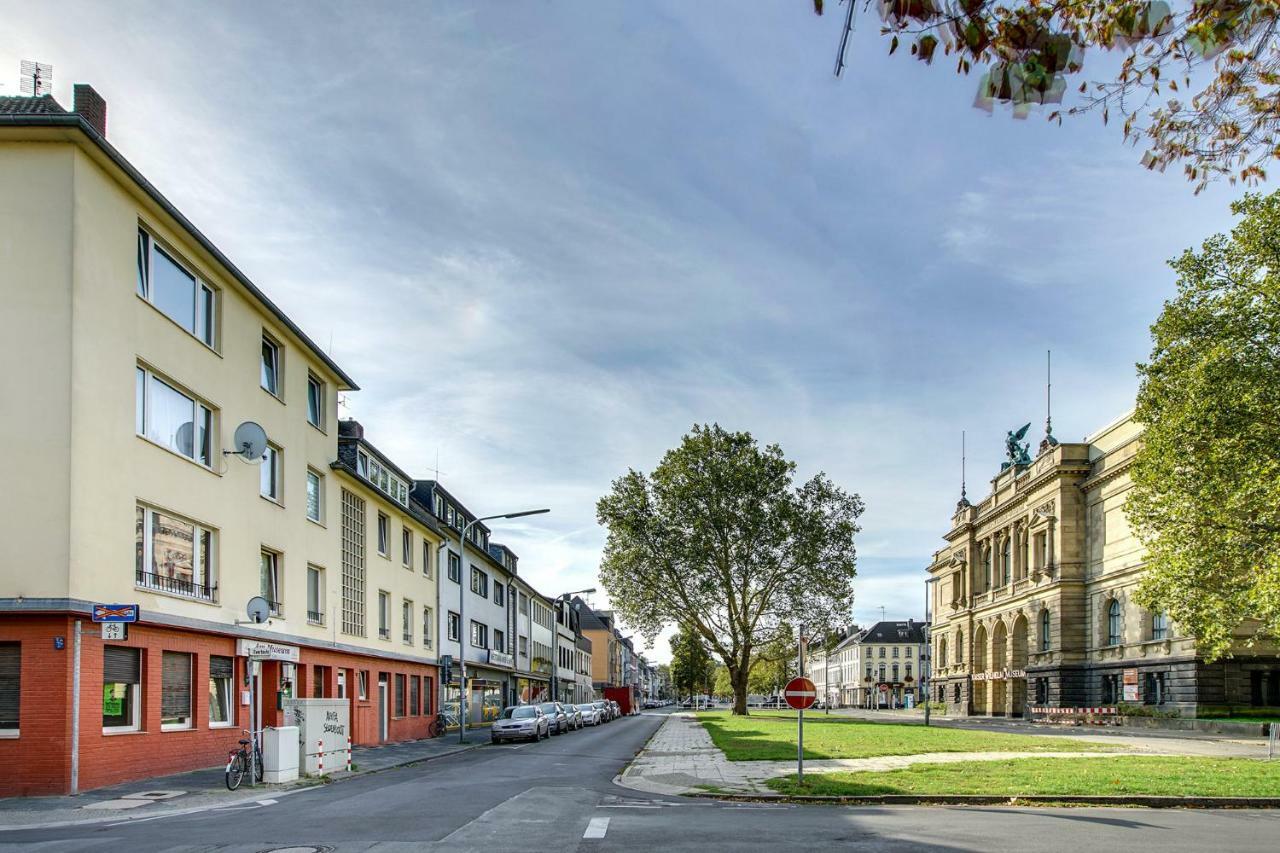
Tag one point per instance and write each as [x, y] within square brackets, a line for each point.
[259, 795]
[1143, 801]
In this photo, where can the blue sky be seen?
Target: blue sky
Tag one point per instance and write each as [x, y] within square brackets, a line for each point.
[546, 238]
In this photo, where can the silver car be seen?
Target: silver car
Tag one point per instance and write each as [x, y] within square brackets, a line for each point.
[575, 716]
[591, 715]
[556, 717]
[525, 722]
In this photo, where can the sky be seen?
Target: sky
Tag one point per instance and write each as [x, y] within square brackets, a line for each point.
[547, 238]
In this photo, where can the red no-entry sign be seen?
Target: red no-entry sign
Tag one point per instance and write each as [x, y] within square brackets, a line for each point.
[800, 693]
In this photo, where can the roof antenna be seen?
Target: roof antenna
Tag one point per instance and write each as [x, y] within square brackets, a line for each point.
[37, 77]
[881, 612]
[1049, 440]
[964, 498]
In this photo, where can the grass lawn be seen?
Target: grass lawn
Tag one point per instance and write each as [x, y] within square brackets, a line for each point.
[772, 737]
[1164, 775]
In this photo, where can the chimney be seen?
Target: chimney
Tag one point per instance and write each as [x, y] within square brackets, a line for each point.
[350, 428]
[91, 107]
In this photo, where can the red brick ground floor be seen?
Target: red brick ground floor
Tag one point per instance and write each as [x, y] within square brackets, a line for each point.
[168, 700]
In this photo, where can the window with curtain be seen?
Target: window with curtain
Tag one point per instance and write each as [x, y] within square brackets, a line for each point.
[221, 674]
[175, 690]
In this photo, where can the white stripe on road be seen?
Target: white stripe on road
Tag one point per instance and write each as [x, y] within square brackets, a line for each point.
[597, 828]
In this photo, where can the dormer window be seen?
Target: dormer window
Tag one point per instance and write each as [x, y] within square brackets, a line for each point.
[380, 476]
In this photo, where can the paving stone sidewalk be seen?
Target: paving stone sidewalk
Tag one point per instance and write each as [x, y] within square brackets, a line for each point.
[681, 758]
[204, 789]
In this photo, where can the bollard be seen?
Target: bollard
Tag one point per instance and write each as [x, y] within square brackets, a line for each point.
[320, 757]
[348, 753]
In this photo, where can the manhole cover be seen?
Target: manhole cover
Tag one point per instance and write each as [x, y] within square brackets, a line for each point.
[306, 848]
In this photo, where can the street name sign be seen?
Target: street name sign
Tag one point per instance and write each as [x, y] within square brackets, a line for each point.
[114, 613]
[800, 693]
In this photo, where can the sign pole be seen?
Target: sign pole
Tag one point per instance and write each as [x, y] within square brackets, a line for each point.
[800, 721]
[75, 710]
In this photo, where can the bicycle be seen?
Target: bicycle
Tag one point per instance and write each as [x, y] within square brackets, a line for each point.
[436, 729]
[238, 761]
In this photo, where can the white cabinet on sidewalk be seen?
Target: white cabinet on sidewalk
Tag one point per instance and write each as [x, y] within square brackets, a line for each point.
[280, 754]
[324, 726]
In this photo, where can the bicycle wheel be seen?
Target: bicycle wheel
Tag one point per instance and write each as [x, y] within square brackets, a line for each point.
[235, 771]
[257, 766]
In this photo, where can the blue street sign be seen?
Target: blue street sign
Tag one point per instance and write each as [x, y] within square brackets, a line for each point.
[115, 613]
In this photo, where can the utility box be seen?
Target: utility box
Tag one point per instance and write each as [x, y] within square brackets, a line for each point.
[324, 734]
[280, 755]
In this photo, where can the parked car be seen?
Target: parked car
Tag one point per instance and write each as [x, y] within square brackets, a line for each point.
[590, 714]
[605, 712]
[558, 719]
[524, 722]
[617, 709]
[574, 715]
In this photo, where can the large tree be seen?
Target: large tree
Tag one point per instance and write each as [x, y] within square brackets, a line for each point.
[1199, 81]
[691, 663]
[1206, 481]
[716, 539]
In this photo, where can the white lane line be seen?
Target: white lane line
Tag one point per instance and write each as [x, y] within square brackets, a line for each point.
[597, 827]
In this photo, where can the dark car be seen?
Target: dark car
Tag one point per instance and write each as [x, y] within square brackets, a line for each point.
[556, 716]
[520, 721]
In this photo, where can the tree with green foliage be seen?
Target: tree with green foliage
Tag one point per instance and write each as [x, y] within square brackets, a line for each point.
[717, 540]
[723, 685]
[1206, 481]
[1198, 80]
[691, 663]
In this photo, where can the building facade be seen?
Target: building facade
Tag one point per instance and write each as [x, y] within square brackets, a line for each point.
[153, 347]
[1033, 596]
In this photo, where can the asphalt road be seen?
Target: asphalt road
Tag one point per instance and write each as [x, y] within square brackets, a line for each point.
[559, 795]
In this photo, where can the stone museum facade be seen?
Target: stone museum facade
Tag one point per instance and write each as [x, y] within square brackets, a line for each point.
[1033, 597]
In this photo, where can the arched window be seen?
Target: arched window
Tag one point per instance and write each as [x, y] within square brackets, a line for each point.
[1006, 563]
[959, 647]
[1044, 630]
[1026, 556]
[882, 672]
[895, 673]
[1160, 626]
[986, 569]
[1113, 623]
[942, 652]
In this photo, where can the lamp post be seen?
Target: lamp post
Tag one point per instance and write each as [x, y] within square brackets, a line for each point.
[463, 636]
[555, 638]
[926, 668]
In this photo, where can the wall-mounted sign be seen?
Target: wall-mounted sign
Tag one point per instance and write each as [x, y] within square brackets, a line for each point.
[498, 658]
[1129, 679]
[115, 630]
[264, 650]
[114, 613]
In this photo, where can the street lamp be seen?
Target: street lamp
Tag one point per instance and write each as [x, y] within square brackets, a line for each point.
[926, 673]
[462, 613]
[555, 637]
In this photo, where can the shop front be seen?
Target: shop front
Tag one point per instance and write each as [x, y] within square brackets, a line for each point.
[489, 686]
[531, 690]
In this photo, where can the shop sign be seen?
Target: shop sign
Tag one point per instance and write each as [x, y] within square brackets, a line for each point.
[1129, 679]
[264, 650]
[498, 658]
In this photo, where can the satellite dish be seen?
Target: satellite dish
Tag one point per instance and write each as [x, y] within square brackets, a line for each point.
[250, 442]
[258, 609]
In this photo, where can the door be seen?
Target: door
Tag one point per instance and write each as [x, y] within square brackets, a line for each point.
[382, 709]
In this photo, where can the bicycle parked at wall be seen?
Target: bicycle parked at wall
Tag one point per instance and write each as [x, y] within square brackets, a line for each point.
[238, 761]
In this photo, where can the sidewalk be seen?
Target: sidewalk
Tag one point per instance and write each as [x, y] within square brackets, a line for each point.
[682, 759]
[200, 790]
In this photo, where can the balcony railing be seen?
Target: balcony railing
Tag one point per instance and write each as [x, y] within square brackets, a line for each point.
[384, 633]
[176, 586]
[315, 617]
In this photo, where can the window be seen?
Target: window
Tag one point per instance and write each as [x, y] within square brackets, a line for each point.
[315, 401]
[453, 625]
[895, 651]
[315, 495]
[455, 568]
[10, 686]
[406, 622]
[384, 535]
[175, 690]
[378, 474]
[479, 635]
[414, 681]
[269, 474]
[907, 669]
[1045, 637]
[955, 692]
[1110, 689]
[895, 672]
[221, 674]
[1006, 563]
[524, 646]
[1155, 692]
[986, 569]
[499, 640]
[524, 604]
[172, 418]
[315, 595]
[400, 694]
[176, 292]
[362, 684]
[908, 651]
[406, 547]
[121, 688]
[882, 651]
[384, 615]
[428, 688]
[959, 647]
[342, 684]
[426, 558]
[427, 622]
[1042, 691]
[499, 595]
[1113, 623]
[173, 555]
[269, 573]
[1160, 626]
[479, 582]
[270, 366]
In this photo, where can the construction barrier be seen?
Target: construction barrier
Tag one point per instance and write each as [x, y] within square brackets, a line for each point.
[1102, 715]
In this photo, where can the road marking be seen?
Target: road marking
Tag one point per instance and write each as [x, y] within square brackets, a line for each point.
[597, 828]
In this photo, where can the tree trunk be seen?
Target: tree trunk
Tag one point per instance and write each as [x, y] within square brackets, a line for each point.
[738, 678]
